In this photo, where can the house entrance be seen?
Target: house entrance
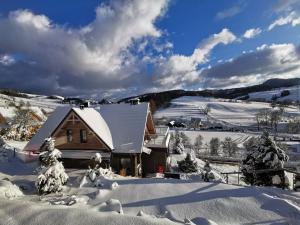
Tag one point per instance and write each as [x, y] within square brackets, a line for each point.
[125, 167]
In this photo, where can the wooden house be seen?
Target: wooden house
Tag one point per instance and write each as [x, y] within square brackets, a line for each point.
[123, 134]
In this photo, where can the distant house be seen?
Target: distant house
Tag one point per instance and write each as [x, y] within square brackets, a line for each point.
[123, 134]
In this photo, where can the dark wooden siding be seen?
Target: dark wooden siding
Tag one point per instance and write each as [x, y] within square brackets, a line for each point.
[150, 163]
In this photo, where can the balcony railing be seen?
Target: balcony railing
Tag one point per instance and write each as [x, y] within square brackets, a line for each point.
[159, 139]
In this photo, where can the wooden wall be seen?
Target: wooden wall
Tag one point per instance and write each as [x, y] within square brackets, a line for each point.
[150, 163]
[60, 135]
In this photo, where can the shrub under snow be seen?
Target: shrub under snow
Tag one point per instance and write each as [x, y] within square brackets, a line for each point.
[9, 190]
[188, 165]
[264, 163]
[95, 175]
[52, 175]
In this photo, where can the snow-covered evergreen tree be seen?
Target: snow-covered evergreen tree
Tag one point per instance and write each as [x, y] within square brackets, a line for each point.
[178, 145]
[265, 156]
[52, 174]
[188, 165]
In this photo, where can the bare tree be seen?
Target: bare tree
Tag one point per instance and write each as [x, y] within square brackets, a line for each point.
[206, 110]
[214, 145]
[229, 147]
[198, 144]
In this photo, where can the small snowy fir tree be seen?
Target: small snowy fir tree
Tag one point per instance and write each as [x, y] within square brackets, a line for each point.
[207, 174]
[188, 165]
[178, 145]
[265, 156]
[52, 175]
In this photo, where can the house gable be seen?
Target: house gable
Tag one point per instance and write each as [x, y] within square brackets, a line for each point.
[75, 123]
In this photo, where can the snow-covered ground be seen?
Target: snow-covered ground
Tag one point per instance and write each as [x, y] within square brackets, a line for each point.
[267, 95]
[234, 113]
[143, 201]
[37, 103]
[149, 200]
[237, 137]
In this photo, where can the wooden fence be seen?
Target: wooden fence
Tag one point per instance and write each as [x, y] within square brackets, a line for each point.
[296, 175]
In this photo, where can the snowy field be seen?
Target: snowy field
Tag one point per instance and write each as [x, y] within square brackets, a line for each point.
[37, 103]
[141, 201]
[267, 95]
[237, 137]
[237, 113]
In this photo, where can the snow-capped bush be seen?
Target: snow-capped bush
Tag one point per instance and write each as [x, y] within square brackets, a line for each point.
[52, 174]
[207, 173]
[3, 151]
[112, 205]
[2, 142]
[95, 175]
[188, 165]
[9, 190]
[264, 164]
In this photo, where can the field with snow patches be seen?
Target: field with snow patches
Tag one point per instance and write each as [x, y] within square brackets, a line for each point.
[142, 201]
[232, 113]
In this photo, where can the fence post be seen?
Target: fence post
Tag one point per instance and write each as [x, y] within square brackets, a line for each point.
[238, 178]
[294, 182]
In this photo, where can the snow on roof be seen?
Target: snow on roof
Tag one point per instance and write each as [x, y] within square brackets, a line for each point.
[127, 125]
[120, 126]
[48, 127]
[95, 121]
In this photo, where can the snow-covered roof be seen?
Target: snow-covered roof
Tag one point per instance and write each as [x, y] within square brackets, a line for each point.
[48, 127]
[120, 126]
[127, 125]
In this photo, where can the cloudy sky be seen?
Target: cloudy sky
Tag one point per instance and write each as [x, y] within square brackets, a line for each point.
[127, 47]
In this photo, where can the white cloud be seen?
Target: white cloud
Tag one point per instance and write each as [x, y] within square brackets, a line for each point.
[251, 33]
[285, 5]
[268, 61]
[180, 70]
[230, 12]
[292, 18]
[97, 56]
[7, 60]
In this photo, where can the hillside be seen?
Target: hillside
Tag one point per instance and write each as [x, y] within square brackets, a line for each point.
[163, 98]
[230, 113]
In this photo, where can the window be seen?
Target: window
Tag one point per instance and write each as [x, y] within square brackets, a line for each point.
[69, 135]
[83, 136]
